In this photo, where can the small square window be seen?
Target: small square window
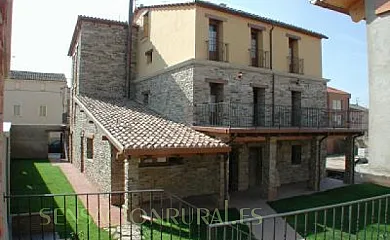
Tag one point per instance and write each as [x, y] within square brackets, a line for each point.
[149, 56]
[146, 25]
[90, 148]
[17, 85]
[296, 154]
[42, 111]
[145, 98]
[17, 110]
[43, 87]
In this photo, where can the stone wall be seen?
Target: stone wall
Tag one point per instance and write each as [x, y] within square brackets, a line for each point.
[198, 175]
[289, 173]
[102, 70]
[285, 172]
[170, 93]
[98, 169]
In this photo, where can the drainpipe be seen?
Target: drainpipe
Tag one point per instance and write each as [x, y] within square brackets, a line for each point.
[129, 49]
[353, 156]
[319, 143]
[273, 74]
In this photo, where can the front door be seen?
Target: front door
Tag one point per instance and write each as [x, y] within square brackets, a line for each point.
[82, 154]
[233, 170]
[255, 166]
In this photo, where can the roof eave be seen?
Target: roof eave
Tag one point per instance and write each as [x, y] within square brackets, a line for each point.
[238, 12]
[324, 4]
[109, 136]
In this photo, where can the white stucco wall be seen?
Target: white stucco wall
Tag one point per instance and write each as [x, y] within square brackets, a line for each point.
[30, 95]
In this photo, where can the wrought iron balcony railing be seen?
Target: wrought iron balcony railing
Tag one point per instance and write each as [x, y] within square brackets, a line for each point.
[217, 51]
[259, 58]
[252, 115]
[295, 65]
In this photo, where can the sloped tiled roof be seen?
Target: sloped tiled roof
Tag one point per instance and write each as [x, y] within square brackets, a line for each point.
[335, 90]
[136, 127]
[224, 8]
[39, 76]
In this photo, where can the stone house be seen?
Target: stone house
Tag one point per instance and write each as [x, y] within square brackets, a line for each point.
[220, 99]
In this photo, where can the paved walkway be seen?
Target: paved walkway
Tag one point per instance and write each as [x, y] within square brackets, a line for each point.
[109, 215]
[251, 199]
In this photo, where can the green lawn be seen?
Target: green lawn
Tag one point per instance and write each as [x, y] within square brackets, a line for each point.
[370, 227]
[41, 177]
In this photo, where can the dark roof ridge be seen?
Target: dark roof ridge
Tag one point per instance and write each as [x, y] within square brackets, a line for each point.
[242, 13]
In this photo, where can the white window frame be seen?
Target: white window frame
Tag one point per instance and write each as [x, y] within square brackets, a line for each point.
[43, 111]
[336, 105]
[17, 110]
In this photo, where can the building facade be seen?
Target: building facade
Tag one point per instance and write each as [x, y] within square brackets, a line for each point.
[35, 104]
[338, 104]
[249, 88]
[5, 57]
[35, 98]
[377, 17]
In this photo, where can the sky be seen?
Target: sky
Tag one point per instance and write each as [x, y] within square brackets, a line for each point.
[42, 30]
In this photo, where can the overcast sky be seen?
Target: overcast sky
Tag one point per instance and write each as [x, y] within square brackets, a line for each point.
[42, 30]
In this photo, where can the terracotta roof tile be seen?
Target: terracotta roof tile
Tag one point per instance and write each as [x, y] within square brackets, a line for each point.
[136, 127]
[39, 76]
[335, 90]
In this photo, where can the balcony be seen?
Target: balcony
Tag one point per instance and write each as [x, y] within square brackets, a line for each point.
[295, 65]
[217, 51]
[259, 58]
[238, 115]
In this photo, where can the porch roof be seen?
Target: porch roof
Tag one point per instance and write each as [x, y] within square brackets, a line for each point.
[134, 128]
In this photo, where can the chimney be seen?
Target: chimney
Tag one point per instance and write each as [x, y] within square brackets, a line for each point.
[223, 5]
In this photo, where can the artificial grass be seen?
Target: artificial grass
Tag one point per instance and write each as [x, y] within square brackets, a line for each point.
[365, 221]
[193, 227]
[30, 177]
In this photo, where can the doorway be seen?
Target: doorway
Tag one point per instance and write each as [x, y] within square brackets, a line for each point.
[82, 154]
[255, 166]
[295, 109]
[233, 170]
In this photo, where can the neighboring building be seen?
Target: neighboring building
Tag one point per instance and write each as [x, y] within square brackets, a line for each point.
[252, 84]
[35, 103]
[35, 98]
[376, 14]
[338, 106]
[5, 57]
[360, 118]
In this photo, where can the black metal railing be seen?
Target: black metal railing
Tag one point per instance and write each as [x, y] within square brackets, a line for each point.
[256, 115]
[139, 214]
[361, 219]
[295, 65]
[217, 51]
[259, 58]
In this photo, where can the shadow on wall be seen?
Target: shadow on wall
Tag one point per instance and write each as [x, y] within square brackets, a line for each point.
[170, 93]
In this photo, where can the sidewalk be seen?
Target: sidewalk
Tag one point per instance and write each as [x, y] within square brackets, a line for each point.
[109, 215]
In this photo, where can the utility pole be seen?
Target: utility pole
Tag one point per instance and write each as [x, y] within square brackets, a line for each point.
[129, 48]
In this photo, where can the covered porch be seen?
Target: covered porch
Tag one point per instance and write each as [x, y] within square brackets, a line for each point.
[267, 162]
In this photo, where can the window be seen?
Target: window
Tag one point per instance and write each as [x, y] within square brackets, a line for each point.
[149, 56]
[296, 154]
[90, 148]
[145, 99]
[146, 25]
[214, 45]
[17, 110]
[161, 161]
[43, 87]
[336, 104]
[294, 64]
[42, 111]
